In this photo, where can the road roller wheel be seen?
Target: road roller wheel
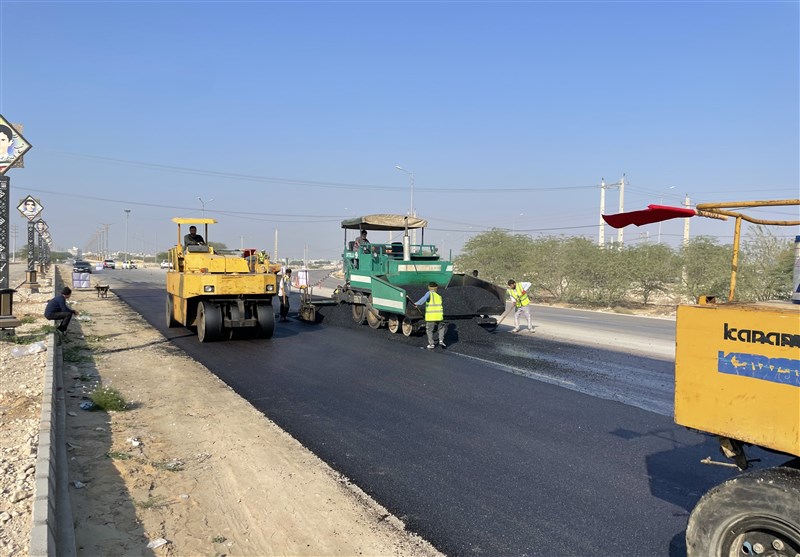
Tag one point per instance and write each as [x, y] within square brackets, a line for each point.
[209, 322]
[266, 320]
[171, 322]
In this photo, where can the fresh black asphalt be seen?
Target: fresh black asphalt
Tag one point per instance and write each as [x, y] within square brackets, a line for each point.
[474, 459]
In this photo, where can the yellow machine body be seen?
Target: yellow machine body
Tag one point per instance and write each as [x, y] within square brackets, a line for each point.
[737, 372]
[218, 291]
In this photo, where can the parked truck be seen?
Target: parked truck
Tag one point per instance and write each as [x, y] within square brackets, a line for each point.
[737, 376]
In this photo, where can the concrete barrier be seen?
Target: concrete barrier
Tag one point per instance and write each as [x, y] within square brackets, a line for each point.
[53, 531]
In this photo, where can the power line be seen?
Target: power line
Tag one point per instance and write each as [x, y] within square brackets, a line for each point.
[312, 183]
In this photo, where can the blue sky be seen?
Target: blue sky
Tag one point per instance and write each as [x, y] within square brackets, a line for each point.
[293, 115]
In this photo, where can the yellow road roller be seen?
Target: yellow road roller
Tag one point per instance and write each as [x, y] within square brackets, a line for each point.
[223, 294]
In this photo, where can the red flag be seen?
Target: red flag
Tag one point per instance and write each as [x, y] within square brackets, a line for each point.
[653, 213]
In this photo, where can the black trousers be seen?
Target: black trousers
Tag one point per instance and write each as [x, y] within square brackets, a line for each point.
[64, 316]
[284, 311]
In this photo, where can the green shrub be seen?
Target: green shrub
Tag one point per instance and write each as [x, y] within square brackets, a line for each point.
[108, 398]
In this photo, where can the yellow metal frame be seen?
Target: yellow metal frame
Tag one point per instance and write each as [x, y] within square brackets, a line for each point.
[737, 365]
[723, 211]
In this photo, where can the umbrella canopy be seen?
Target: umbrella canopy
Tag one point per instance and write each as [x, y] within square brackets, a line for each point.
[384, 222]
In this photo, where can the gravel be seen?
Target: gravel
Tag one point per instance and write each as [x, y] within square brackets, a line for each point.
[21, 382]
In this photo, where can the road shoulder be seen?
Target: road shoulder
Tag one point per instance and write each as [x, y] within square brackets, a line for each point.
[193, 463]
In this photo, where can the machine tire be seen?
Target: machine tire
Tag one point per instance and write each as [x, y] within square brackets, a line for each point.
[266, 320]
[408, 327]
[209, 322]
[755, 507]
[359, 313]
[374, 319]
[171, 322]
[393, 322]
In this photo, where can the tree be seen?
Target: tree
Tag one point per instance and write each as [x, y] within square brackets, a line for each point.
[652, 268]
[499, 256]
[706, 267]
[765, 267]
[551, 265]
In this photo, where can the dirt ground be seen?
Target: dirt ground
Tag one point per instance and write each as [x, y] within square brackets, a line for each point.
[189, 467]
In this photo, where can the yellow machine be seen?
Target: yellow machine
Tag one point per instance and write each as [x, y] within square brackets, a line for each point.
[218, 293]
[737, 376]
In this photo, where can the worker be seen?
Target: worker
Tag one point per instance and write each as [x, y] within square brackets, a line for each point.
[57, 309]
[519, 295]
[434, 315]
[283, 293]
[361, 240]
[193, 238]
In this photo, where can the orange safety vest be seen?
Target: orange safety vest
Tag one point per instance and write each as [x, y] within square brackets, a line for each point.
[520, 300]
[433, 308]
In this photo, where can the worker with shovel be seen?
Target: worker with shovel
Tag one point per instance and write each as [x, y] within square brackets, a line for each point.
[519, 293]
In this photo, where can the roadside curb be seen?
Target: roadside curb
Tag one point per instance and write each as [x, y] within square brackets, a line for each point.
[52, 531]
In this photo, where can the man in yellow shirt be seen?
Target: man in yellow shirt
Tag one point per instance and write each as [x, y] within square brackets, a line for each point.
[434, 315]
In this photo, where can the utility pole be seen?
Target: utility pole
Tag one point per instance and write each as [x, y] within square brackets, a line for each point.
[601, 238]
[686, 223]
[127, 214]
[275, 251]
[104, 241]
[621, 208]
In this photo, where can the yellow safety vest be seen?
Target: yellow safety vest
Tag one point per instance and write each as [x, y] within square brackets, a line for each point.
[520, 300]
[433, 308]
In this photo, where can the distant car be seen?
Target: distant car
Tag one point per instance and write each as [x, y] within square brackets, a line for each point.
[166, 264]
[82, 267]
[128, 265]
[109, 264]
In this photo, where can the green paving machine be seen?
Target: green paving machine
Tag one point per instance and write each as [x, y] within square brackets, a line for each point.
[383, 280]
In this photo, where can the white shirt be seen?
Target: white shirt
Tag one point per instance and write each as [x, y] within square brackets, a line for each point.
[524, 285]
[285, 284]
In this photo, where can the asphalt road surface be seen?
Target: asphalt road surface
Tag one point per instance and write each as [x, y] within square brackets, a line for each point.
[500, 445]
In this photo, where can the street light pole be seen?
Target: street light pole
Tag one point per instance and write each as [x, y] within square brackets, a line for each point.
[411, 212]
[411, 175]
[127, 214]
[203, 204]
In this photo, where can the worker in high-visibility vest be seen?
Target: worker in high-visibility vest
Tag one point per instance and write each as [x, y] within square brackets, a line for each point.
[434, 315]
[519, 294]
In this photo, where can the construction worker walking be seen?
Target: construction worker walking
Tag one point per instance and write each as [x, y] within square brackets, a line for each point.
[434, 315]
[519, 294]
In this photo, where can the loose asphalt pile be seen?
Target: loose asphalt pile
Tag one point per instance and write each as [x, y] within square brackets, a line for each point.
[459, 330]
[459, 301]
